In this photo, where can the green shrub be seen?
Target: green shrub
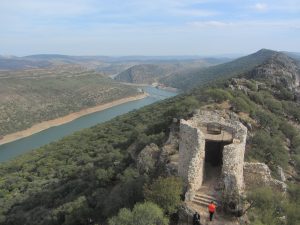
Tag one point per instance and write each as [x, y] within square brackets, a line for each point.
[283, 93]
[266, 119]
[268, 149]
[240, 105]
[288, 130]
[251, 85]
[165, 192]
[274, 106]
[146, 213]
[218, 95]
[268, 206]
[292, 109]
[257, 97]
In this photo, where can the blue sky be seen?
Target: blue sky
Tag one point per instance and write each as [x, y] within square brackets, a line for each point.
[152, 27]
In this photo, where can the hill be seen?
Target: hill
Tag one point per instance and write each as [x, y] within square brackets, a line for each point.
[190, 79]
[33, 96]
[151, 73]
[294, 55]
[91, 174]
[109, 66]
[18, 64]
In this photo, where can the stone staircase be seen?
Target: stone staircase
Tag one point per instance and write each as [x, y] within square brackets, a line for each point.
[204, 200]
[205, 195]
[209, 191]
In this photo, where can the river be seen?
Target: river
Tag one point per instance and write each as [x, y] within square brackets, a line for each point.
[18, 147]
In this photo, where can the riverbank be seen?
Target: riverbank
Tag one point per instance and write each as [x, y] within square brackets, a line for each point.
[66, 119]
[156, 85]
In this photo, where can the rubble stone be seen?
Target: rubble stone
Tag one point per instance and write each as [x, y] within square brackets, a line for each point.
[259, 175]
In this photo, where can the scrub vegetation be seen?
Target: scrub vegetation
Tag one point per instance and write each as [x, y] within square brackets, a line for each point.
[91, 176]
[36, 97]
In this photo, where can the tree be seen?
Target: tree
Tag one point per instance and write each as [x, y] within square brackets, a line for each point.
[165, 192]
[146, 213]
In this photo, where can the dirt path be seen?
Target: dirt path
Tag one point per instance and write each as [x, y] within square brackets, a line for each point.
[66, 119]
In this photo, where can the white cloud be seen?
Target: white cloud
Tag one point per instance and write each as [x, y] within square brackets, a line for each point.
[48, 8]
[281, 24]
[217, 24]
[261, 7]
[193, 12]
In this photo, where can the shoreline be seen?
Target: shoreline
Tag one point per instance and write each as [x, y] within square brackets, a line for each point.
[161, 87]
[66, 119]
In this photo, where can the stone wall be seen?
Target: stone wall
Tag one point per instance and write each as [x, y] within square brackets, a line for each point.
[233, 160]
[192, 150]
[191, 157]
[232, 170]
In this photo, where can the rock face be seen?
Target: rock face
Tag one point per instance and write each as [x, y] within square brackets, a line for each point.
[147, 158]
[258, 175]
[280, 69]
[281, 174]
[193, 137]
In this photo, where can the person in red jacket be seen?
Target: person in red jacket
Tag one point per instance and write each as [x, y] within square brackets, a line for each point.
[211, 209]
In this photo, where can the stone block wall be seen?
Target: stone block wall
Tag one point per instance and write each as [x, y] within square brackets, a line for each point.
[232, 170]
[192, 151]
[191, 155]
[233, 160]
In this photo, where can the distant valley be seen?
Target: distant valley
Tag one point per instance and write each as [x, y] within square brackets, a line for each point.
[94, 173]
[43, 87]
[32, 96]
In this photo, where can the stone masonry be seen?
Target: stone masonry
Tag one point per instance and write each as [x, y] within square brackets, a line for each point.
[194, 134]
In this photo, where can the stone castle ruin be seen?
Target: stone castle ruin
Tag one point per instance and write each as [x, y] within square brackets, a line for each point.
[207, 151]
[211, 155]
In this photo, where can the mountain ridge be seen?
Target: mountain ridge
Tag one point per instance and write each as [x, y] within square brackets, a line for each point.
[225, 70]
[92, 174]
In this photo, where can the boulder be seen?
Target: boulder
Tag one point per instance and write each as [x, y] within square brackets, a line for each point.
[147, 158]
[259, 175]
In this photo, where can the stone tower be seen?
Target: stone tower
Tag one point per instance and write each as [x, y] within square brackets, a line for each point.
[212, 143]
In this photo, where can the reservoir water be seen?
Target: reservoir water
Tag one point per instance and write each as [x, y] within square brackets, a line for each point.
[18, 147]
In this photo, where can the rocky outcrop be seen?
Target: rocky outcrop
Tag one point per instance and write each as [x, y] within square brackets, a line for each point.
[147, 158]
[153, 158]
[281, 174]
[259, 175]
[280, 69]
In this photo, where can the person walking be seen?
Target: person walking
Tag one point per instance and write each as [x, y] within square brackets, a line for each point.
[211, 209]
[196, 219]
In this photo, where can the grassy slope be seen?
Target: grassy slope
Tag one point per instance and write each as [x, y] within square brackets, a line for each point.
[26, 100]
[90, 174]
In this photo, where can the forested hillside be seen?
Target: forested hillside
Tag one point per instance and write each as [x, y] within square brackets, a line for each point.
[146, 73]
[29, 97]
[90, 175]
[150, 73]
[189, 79]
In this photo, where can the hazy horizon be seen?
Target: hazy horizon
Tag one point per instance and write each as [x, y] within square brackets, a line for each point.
[148, 28]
